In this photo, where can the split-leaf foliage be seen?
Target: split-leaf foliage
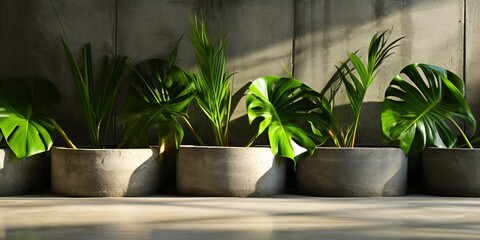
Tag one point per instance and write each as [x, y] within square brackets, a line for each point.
[423, 107]
[287, 108]
[25, 115]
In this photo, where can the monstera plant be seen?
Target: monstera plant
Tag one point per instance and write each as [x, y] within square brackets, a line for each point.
[425, 110]
[421, 106]
[26, 123]
[287, 108]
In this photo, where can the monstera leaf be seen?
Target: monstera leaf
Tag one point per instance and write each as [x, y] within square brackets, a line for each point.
[24, 111]
[158, 95]
[285, 106]
[417, 114]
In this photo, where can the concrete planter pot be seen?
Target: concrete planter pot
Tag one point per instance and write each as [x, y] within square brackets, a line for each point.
[452, 172]
[22, 177]
[353, 172]
[229, 171]
[105, 172]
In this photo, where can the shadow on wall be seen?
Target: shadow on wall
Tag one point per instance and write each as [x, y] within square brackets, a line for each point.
[370, 127]
[261, 35]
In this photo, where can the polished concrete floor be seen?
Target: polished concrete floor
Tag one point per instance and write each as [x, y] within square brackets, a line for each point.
[39, 217]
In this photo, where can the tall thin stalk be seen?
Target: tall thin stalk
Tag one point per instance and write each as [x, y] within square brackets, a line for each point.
[213, 82]
[356, 79]
[97, 98]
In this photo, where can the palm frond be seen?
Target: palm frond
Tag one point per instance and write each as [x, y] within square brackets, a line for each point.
[213, 85]
[97, 101]
[357, 76]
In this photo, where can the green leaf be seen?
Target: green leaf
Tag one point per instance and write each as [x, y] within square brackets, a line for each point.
[26, 136]
[83, 90]
[213, 85]
[97, 101]
[356, 79]
[287, 108]
[24, 115]
[158, 95]
[416, 109]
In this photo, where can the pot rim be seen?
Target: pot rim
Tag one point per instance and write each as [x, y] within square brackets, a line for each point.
[89, 149]
[451, 149]
[356, 148]
[225, 147]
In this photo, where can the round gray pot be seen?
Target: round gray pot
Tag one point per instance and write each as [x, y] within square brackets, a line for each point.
[229, 171]
[21, 177]
[105, 172]
[353, 172]
[452, 172]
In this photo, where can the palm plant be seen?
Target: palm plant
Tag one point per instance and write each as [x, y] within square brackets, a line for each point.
[212, 84]
[96, 97]
[287, 108]
[416, 113]
[25, 120]
[97, 102]
[158, 95]
[357, 76]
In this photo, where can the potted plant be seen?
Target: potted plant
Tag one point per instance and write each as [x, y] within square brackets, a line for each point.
[219, 169]
[346, 170]
[157, 99]
[26, 131]
[99, 171]
[425, 107]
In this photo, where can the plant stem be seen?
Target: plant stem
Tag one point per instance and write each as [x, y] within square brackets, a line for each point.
[355, 127]
[250, 142]
[199, 140]
[161, 147]
[334, 138]
[107, 127]
[463, 134]
[63, 134]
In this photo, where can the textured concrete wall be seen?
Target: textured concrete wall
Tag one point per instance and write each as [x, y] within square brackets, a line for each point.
[30, 46]
[310, 36]
[325, 32]
[472, 55]
[149, 28]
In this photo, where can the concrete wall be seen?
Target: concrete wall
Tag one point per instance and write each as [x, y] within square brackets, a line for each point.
[307, 37]
[325, 32]
[472, 55]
